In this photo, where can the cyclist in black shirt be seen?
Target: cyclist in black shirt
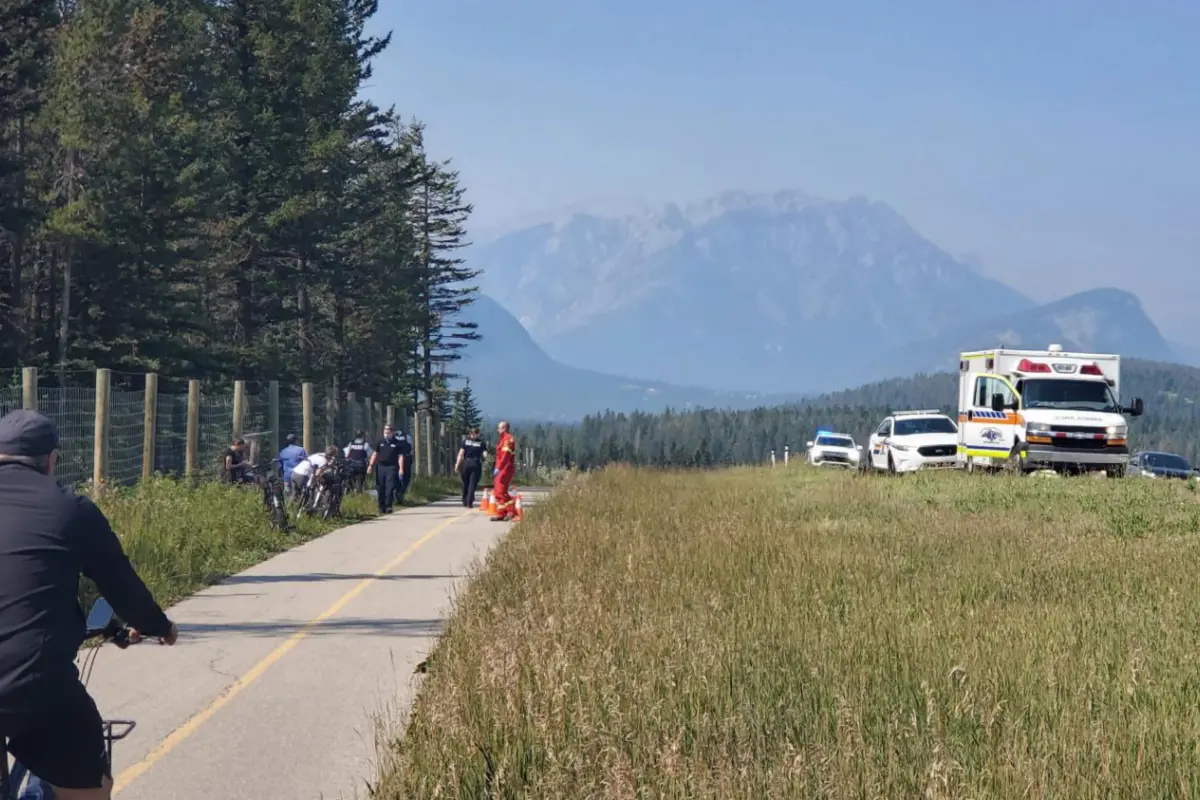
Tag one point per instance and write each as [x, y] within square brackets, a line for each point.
[48, 537]
[385, 461]
[470, 465]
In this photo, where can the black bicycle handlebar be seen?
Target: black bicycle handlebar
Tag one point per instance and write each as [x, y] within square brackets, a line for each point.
[120, 635]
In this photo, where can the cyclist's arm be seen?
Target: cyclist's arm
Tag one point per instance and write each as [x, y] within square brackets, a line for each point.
[104, 561]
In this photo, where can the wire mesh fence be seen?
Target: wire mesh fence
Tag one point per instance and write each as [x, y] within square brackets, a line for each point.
[335, 418]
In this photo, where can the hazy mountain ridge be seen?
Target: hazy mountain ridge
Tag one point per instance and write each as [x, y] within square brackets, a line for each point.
[762, 295]
[747, 282]
[513, 377]
[1099, 320]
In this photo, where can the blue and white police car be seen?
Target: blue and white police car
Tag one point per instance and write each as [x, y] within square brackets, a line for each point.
[833, 450]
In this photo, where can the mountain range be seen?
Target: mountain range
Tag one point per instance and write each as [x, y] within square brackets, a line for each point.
[752, 299]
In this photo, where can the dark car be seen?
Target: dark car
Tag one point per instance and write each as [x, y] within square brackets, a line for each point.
[1154, 464]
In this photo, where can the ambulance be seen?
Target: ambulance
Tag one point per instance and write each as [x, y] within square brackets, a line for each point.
[1025, 410]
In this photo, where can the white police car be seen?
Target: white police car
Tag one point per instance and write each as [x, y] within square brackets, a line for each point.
[911, 440]
[833, 449]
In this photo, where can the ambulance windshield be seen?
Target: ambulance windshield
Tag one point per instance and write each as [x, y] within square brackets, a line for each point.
[1068, 394]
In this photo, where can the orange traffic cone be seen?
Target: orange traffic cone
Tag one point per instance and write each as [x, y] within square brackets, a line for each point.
[489, 502]
[517, 512]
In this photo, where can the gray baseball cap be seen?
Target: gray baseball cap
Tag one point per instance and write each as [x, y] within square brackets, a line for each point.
[27, 433]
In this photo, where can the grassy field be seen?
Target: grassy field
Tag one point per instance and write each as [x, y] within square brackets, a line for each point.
[182, 537]
[772, 634]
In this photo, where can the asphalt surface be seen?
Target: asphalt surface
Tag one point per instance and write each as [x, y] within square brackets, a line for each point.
[275, 686]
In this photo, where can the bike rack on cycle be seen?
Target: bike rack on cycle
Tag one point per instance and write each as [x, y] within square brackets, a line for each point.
[17, 782]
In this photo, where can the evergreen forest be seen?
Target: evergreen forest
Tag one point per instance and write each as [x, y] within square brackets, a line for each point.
[198, 189]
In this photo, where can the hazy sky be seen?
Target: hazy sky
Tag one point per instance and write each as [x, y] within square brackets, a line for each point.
[1058, 141]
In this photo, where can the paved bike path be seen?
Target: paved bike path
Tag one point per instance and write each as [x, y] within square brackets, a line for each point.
[274, 686]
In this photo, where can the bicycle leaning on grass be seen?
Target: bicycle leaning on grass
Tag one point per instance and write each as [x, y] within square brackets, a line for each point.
[273, 495]
[17, 782]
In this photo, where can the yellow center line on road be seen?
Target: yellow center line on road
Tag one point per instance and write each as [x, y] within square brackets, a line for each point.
[192, 725]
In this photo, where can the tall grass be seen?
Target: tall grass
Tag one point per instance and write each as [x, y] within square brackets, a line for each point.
[182, 536]
[772, 633]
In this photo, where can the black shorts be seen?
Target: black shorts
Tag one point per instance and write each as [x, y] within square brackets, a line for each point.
[62, 742]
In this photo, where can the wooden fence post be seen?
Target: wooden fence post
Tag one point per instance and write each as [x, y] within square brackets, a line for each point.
[444, 464]
[273, 438]
[100, 442]
[306, 404]
[416, 443]
[331, 414]
[351, 412]
[149, 425]
[29, 388]
[369, 409]
[193, 428]
[390, 419]
[239, 407]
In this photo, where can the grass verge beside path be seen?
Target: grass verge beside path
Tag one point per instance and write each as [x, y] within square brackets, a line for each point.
[770, 634]
[182, 537]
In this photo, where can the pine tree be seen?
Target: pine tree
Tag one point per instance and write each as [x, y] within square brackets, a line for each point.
[25, 32]
[439, 218]
[130, 78]
[443, 398]
[466, 416]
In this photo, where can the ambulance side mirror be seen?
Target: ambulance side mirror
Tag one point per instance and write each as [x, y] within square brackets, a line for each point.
[1137, 409]
[808, 444]
[997, 402]
[860, 447]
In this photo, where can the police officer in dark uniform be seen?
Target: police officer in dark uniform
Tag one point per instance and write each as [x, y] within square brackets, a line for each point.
[404, 442]
[358, 453]
[386, 463]
[470, 465]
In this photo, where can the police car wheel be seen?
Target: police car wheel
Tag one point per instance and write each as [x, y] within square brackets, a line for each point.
[891, 464]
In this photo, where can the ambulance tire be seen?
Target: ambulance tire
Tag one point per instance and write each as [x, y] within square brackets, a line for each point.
[1015, 464]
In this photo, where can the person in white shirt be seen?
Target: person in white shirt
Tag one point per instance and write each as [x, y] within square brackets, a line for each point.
[304, 471]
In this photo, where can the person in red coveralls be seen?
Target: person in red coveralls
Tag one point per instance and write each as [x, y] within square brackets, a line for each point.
[506, 466]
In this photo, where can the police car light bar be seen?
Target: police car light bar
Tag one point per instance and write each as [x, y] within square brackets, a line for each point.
[923, 413]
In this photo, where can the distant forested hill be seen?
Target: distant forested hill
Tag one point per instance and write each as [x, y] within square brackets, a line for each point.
[706, 438]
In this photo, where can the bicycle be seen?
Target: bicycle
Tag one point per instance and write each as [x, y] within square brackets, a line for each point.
[322, 496]
[273, 496]
[17, 782]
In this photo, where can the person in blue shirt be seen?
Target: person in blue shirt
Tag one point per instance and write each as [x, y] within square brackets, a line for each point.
[290, 456]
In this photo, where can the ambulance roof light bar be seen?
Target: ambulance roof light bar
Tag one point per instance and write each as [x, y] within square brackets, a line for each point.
[1033, 366]
[1042, 367]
